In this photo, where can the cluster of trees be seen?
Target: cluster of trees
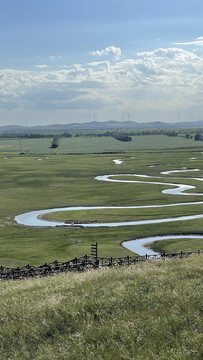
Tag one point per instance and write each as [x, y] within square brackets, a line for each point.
[121, 136]
[188, 136]
[154, 132]
[66, 135]
[118, 135]
[33, 135]
[25, 135]
[198, 137]
[129, 133]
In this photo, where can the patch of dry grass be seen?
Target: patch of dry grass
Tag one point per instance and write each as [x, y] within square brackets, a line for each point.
[147, 311]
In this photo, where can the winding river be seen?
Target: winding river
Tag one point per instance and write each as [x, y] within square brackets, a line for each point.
[34, 218]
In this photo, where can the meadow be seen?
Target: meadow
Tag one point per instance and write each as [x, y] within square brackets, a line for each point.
[143, 312]
[33, 181]
[87, 144]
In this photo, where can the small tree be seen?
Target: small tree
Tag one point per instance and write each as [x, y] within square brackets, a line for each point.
[55, 142]
[198, 137]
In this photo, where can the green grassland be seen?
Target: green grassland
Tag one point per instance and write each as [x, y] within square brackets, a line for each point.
[144, 312]
[151, 311]
[86, 144]
[117, 215]
[33, 182]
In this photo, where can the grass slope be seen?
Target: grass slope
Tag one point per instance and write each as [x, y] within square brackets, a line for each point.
[151, 311]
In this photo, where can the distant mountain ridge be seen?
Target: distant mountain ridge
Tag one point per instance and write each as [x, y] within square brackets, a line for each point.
[106, 125]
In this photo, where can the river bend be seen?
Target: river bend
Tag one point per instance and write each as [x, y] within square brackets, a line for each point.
[34, 218]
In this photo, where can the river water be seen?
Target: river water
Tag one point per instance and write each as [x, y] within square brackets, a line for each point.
[34, 218]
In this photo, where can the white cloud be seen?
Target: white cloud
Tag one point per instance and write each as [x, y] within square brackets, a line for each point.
[111, 50]
[162, 80]
[54, 58]
[197, 42]
[173, 53]
[41, 66]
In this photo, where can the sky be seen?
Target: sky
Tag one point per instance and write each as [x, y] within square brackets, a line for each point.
[65, 61]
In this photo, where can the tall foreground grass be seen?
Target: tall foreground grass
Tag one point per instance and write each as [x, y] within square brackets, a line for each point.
[146, 311]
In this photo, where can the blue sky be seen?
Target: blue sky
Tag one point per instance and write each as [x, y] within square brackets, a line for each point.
[67, 61]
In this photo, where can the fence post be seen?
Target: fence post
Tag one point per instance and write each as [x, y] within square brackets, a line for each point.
[94, 250]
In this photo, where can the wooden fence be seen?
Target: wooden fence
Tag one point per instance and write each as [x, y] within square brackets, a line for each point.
[81, 264]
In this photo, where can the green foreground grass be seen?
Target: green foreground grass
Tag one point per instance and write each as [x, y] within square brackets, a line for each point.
[150, 311]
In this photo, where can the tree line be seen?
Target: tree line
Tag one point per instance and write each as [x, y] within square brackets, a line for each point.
[195, 134]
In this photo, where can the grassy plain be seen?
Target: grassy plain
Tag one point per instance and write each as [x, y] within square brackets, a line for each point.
[33, 182]
[82, 144]
[145, 312]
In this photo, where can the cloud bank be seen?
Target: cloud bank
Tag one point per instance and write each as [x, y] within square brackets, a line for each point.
[154, 85]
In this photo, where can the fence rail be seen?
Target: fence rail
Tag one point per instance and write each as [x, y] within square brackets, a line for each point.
[81, 264]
